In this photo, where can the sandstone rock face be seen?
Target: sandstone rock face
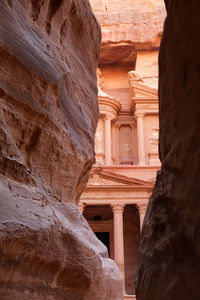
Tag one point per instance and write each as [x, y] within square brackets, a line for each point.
[169, 250]
[128, 26]
[139, 21]
[48, 115]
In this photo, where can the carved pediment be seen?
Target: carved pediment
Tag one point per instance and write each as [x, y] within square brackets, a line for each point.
[143, 91]
[139, 89]
[99, 177]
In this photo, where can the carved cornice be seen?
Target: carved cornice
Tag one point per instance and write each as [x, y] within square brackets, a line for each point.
[138, 87]
[119, 178]
[120, 123]
[142, 96]
[108, 104]
[117, 208]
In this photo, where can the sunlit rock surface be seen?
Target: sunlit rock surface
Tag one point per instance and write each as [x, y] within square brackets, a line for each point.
[169, 263]
[128, 26]
[48, 115]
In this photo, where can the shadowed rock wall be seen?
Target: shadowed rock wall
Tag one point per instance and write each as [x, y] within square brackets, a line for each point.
[48, 114]
[169, 263]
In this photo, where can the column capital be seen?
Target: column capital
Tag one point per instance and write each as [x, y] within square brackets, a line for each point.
[109, 117]
[81, 207]
[142, 208]
[139, 114]
[117, 208]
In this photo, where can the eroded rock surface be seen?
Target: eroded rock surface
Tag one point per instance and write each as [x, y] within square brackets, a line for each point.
[48, 115]
[169, 264]
[128, 26]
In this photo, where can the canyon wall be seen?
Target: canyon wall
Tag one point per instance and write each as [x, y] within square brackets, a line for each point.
[128, 26]
[138, 21]
[48, 115]
[169, 263]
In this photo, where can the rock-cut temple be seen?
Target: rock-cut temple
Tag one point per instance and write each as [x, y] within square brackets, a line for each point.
[126, 146]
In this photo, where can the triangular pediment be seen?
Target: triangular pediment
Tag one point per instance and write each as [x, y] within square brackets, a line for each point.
[143, 91]
[138, 87]
[100, 177]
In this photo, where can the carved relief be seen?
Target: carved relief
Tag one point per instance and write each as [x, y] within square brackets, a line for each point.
[125, 144]
[153, 137]
[134, 76]
[98, 180]
[118, 208]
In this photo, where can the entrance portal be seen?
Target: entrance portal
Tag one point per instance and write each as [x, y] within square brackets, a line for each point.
[104, 237]
[100, 219]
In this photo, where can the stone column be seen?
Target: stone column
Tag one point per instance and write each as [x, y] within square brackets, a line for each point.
[140, 137]
[81, 207]
[119, 237]
[113, 143]
[117, 143]
[99, 142]
[108, 152]
[142, 211]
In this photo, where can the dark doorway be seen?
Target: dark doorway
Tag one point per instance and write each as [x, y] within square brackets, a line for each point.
[104, 237]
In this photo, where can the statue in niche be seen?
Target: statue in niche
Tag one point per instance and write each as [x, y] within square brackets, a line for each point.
[125, 145]
[154, 140]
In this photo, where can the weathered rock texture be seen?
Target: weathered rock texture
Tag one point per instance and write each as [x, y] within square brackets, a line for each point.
[128, 26]
[169, 264]
[48, 114]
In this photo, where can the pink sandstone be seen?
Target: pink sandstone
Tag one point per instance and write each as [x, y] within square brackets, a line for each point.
[48, 115]
[128, 26]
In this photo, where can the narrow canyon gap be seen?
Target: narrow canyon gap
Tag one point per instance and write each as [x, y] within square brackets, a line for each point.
[169, 262]
[126, 141]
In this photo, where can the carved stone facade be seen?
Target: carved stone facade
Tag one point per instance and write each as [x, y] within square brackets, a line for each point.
[126, 145]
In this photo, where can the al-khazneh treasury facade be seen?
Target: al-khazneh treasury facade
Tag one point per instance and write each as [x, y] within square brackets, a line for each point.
[126, 143]
[120, 183]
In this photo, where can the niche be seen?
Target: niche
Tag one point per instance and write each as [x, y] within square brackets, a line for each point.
[125, 145]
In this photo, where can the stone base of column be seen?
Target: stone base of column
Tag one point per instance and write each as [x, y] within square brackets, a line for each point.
[129, 297]
[154, 159]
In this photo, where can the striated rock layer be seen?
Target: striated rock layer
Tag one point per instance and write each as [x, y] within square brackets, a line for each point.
[169, 264]
[128, 26]
[48, 115]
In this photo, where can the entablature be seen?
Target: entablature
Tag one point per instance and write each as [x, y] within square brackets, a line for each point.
[108, 105]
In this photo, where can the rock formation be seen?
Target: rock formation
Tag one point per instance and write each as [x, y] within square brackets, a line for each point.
[48, 115]
[128, 26]
[169, 264]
